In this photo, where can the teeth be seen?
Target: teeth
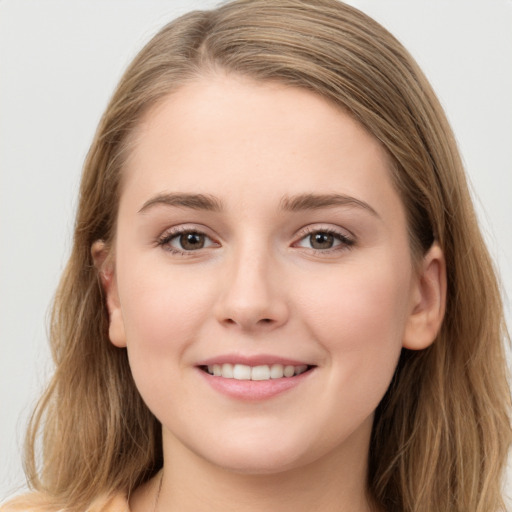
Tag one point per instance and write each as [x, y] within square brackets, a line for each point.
[276, 371]
[226, 370]
[241, 372]
[262, 372]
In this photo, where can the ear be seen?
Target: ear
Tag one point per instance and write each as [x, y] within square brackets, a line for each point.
[104, 264]
[428, 301]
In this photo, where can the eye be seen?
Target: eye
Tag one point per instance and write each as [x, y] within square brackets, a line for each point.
[182, 241]
[325, 240]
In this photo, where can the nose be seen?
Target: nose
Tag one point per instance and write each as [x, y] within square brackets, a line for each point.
[253, 296]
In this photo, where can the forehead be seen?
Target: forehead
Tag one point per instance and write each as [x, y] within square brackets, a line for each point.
[226, 135]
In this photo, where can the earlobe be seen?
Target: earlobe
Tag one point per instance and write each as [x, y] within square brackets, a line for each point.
[428, 301]
[105, 267]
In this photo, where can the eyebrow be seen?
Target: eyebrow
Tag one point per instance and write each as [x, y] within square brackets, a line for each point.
[316, 201]
[301, 202]
[192, 201]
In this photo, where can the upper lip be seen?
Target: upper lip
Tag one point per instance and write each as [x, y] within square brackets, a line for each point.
[252, 360]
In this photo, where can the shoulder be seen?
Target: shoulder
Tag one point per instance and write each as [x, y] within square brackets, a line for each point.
[116, 503]
[35, 502]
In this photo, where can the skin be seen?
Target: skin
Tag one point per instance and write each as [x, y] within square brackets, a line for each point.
[258, 286]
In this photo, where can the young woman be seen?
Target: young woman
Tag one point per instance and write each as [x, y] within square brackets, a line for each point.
[278, 296]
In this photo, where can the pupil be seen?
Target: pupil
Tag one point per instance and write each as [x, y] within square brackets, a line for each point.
[192, 241]
[321, 241]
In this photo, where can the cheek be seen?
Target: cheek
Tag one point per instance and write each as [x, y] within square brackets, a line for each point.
[358, 317]
[163, 313]
[357, 302]
[163, 309]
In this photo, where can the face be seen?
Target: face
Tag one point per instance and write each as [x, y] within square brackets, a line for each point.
[262, 280]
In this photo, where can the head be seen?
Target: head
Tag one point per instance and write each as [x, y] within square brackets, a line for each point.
[340, 55]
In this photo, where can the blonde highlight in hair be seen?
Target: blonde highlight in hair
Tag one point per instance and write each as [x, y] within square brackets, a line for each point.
[442, 432]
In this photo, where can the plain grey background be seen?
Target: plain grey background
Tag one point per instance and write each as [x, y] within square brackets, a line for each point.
[59, 62]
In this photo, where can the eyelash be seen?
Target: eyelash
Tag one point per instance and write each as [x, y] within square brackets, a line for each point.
[168, 236]
[345, 242]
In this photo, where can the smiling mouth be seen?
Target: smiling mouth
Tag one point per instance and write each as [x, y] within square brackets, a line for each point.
[260, 372]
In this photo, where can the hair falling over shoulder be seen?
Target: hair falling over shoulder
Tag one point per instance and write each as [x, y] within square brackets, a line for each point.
[441, 435]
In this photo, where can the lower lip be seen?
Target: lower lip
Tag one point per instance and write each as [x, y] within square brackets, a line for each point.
[254, 390]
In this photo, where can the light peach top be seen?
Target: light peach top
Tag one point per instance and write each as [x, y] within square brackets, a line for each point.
[118, 503]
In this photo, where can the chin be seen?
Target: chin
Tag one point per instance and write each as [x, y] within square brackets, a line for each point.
[256, 464]
[258, 456]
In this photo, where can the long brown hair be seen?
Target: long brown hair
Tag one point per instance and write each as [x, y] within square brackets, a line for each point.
[442, 432]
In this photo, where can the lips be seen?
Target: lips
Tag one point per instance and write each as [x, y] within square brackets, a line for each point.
[255, 377]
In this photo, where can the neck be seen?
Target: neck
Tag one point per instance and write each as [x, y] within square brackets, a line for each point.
[335, 482]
